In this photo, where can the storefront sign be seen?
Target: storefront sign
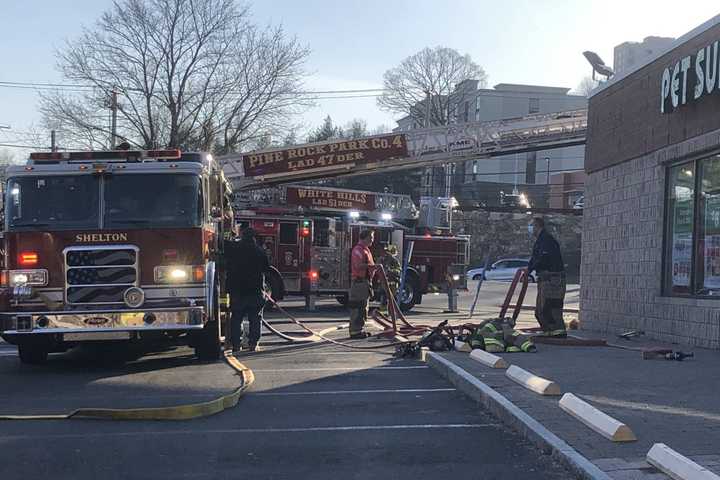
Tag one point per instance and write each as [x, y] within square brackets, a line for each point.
[325, 156]
[327, 198]
[690, 79]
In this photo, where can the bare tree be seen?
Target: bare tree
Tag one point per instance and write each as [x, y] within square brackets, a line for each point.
[6, 157]
[356, 128]
[433, 73]
[187, 73]
[586, 86]
[380, 129]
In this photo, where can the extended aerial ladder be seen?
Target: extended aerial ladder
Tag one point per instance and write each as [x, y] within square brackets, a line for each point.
[405, 150]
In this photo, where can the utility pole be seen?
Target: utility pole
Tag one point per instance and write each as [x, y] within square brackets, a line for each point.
[113, 121]
[431, 189]
[53, 142]
[450, 173]
[427, 108]
[547, 162]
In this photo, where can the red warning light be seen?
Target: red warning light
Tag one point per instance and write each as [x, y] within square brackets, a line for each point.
[28, 259]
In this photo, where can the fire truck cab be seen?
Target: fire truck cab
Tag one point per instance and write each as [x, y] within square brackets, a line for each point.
[114, 246]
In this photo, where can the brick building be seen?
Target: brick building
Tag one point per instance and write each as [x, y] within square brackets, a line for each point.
[651, 233]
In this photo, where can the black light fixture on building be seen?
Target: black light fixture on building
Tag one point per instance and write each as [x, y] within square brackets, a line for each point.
[598, 65]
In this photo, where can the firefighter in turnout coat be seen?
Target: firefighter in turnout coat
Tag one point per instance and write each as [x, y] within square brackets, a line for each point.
[551, 283]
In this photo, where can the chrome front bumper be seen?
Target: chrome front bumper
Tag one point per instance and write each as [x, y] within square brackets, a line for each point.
[96, 321]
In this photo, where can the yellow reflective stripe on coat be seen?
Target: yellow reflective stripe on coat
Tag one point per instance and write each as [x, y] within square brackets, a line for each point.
[492, 341]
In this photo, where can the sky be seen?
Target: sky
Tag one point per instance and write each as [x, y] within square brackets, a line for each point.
[354, 42]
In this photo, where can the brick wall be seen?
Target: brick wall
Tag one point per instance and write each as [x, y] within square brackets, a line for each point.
[622, 238]
[624, 119]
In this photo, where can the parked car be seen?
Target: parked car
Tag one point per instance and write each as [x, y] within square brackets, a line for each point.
[503, 269]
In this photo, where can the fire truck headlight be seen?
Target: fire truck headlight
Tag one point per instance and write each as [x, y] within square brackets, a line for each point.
[456, 278]
[179, 274]
[28, 277]
[386, 217]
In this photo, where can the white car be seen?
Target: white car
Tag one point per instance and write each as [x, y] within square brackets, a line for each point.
[503, 269]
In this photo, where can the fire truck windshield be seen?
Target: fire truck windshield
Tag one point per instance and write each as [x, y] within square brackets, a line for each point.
[157, 200]
[58, 202]
[67, 202]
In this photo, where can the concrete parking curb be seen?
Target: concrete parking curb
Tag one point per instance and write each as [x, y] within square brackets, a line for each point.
[516, 418]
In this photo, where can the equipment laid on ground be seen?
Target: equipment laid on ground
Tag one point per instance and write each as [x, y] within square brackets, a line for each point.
[498, 335]
[437, 339]
[631, 334]
[666, 354]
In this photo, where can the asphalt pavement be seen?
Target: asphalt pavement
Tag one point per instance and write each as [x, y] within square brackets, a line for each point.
[315, 411]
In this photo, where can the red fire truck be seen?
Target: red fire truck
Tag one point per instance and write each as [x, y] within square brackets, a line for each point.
[310, 237]
[113, 246]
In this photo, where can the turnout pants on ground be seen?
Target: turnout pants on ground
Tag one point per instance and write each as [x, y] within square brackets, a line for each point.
[359, 303]
[252, 306]
[550, 299]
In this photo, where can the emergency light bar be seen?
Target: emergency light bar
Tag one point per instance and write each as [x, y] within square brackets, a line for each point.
[127, 155]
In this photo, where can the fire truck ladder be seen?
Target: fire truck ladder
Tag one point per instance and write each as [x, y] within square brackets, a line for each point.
[440, 145]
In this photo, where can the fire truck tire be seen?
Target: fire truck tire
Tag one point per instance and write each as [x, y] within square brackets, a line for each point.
[32, 354]
[412, 295]
[209, 344]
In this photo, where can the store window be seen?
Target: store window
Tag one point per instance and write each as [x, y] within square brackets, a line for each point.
[692, 266]
[708, 251]
[680, 211]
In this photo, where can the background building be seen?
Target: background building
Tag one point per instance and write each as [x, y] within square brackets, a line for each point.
[630, 55]
[482, 180]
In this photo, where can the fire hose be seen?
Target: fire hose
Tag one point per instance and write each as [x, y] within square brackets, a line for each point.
[389, 324]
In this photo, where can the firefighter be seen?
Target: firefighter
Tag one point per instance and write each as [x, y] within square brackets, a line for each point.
[362, 268]
[548, 263]
[246, 265]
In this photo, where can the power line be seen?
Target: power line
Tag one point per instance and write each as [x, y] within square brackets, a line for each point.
[34, 84]
[76, 87]
[9, 145]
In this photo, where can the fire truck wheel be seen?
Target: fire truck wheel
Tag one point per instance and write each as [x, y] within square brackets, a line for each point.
[208, 344]
[32, 354]
[411, 293]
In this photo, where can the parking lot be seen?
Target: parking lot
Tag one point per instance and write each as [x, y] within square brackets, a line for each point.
[314, 411]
